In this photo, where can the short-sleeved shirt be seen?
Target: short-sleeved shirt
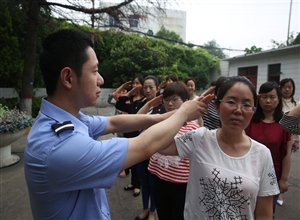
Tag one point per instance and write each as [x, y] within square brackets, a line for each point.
[273, 137]
[66, 173]
[221, 186]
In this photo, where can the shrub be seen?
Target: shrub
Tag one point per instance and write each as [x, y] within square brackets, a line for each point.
[12, 103]
[13, 120]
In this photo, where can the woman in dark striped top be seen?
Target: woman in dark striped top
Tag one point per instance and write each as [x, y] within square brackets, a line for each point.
[291, 121]
[211, 119]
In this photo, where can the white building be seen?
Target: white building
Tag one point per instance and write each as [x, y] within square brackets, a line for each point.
[268, 65]
[173, 20]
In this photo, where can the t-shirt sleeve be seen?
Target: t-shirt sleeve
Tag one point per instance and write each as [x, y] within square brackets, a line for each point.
[185, 144]
[268, 182]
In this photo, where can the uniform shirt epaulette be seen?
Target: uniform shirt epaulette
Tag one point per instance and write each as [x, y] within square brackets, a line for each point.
[62, 126]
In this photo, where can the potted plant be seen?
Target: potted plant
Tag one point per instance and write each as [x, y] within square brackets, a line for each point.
[13, 124]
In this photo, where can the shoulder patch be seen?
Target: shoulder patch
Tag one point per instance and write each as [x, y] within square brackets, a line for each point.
[62, 126]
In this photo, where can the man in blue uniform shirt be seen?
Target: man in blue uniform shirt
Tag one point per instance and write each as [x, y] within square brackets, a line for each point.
[66, 168]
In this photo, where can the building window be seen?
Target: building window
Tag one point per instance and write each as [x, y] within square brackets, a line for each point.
[249, 72]
[274, 72]
[112, 21]
[133, 21]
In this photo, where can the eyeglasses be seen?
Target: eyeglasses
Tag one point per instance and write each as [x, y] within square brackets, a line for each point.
[287, 87]
[235, 105]
[173, 100]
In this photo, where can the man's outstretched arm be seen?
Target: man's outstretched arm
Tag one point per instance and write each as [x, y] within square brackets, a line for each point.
[160, 135]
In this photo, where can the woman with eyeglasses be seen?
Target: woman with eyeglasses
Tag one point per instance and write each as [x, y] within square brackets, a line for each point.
[287, 88]
[265, 128]
[231, 175]
[170, 172]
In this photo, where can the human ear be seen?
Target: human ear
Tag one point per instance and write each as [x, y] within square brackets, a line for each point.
[66, 77]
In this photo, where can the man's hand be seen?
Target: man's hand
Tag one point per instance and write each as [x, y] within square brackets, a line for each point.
[210, 90]
[206, 99]
[196, 108]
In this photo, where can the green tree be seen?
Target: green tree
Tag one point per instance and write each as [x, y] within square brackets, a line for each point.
[120, 12]
[123, 55]
[214, 49]
[253, 49]
[169, 35]
[291, 41]
[297, 39]
[10, 54]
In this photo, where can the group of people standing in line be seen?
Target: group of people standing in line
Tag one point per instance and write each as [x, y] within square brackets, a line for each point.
[221, 155]
[164, 178]
[156, 99]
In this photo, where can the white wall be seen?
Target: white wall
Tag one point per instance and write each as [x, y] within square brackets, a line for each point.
[8, 93]
[174, 20]
[215, 75]
[41, 92]
[289, 60]
[102, 100]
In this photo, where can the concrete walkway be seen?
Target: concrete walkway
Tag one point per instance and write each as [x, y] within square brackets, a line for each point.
[14, 201]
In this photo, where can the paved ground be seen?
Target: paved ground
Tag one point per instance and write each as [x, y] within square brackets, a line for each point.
[14, 202]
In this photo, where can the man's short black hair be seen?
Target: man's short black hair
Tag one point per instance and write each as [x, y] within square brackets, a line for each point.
[63, 48]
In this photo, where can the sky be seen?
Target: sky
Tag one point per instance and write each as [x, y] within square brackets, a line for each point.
[236, 24]
[239, 24]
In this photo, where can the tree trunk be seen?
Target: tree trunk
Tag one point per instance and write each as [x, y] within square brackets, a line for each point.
[29, 57]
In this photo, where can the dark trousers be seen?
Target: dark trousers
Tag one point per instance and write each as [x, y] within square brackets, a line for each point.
[169, 199]
[147, 185]
[135, 179]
